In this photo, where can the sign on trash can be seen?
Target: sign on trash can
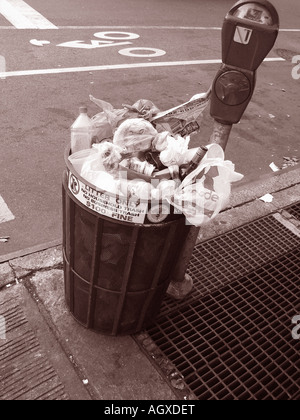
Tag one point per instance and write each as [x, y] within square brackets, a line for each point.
[106, 204]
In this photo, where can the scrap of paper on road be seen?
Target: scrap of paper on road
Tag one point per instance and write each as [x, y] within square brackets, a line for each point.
[5, 213]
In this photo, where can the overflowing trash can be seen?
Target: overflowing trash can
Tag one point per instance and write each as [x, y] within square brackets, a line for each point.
[132, 191]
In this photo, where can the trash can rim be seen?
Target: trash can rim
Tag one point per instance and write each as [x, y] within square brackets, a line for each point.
[71, 170]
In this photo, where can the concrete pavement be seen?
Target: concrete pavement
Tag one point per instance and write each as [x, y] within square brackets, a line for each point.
[79, 364]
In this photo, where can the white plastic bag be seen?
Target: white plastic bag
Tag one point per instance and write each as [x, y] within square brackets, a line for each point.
[134, 135]
[109, 155]
[101, 128]
[79, 158]
[113, 116]
[95, 169]
[174, 153]
[201, 199]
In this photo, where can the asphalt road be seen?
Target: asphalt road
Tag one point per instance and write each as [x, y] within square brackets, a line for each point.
[43, 86]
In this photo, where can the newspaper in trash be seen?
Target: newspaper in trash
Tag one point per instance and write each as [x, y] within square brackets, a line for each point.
[183, 119]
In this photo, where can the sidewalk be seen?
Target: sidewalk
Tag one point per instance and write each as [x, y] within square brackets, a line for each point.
[46, 354]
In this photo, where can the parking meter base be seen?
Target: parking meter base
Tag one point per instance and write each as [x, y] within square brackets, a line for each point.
[180, 289]
[181, 282]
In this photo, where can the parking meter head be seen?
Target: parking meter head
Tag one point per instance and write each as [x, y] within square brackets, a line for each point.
[249, 32]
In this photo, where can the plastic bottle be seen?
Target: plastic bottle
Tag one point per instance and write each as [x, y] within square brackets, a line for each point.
[81, 132]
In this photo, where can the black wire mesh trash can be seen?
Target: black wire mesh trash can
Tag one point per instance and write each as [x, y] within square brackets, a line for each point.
[116, 273]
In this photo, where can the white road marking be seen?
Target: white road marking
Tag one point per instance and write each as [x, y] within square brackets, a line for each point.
[3, 75]
[23, 16]
[5, 214]
[94, 43]
[184, 28]
[105, 36]
[289, 30]
[122, 36]
[133, 52]
[201, 28]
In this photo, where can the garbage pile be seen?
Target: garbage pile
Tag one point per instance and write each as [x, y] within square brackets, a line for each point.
[139, 153]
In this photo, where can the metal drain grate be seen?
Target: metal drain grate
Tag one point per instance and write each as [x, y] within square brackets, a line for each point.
[233, 255]
[231, 338]
[236, 343]
[294, 210]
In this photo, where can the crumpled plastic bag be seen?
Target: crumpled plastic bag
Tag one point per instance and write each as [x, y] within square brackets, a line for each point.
[100, 179]
[106, 122]
[135, 190]
[110, 156]
[160, 142]
[102, 129]
[101, 167]
[200, 200]
[113, 115]
[174, 153]
[79, 158]
[134, 135]
[166, 188]
[143, 108]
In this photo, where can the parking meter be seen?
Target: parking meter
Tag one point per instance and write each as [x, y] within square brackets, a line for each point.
[249, 32]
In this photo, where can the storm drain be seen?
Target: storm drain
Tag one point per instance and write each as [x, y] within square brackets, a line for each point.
[231, 339]
[233, 255]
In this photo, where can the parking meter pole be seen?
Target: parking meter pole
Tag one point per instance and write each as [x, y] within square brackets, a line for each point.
[220, 134]
[182, 283]
[249, 32]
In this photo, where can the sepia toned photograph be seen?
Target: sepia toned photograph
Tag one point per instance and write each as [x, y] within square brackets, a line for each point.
[150, 203]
